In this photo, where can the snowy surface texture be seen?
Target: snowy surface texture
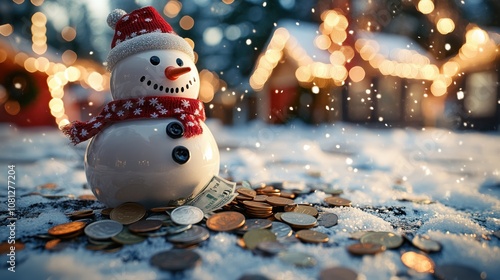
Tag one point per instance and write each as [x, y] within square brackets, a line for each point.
[458, 171]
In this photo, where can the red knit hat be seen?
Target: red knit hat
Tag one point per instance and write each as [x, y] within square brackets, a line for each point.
[141, 30]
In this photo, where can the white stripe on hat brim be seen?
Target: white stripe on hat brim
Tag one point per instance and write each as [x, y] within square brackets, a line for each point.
[146, 42]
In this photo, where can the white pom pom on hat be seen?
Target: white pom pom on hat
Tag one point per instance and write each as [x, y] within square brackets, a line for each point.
[141, 30]
[114, 17]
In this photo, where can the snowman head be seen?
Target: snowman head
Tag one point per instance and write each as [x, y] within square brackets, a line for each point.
[148, 58]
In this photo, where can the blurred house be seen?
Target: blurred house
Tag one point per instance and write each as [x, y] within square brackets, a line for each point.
[376, 78]
[47, 89]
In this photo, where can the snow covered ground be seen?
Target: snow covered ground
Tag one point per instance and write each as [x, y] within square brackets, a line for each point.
[376, 169]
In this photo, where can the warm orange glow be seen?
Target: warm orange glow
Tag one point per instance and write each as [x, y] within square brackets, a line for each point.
[322, 42]
[12, 107]
[425, 6]
[438, 88]
[6, 29]
[228, 1]
[357, 74]
[172, 8]
[68, 33]
[445, 25]
[450, 68]
[337, 58]
[37, 2]
[186, 22]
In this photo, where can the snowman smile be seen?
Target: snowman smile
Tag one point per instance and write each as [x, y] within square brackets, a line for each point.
[165, 89]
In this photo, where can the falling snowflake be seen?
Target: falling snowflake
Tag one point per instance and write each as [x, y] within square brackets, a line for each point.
[84, 133]
[120, 113]
[97, 125]
[163, 111]
[128, 104]
[178, 110]
[153, 101]
[137, 111]
[140, 101]
[185, 103]
[154, 115]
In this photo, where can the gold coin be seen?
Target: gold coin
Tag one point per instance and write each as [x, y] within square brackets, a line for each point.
[311, 236]
[418, 262]
[67, 228]
[278, 201]
[145, 226]
[365, 248]
[387, 239]
[257, 205]
[255, 236]
[337, 201]
[225, 221]
[309, 210]
[128, 213]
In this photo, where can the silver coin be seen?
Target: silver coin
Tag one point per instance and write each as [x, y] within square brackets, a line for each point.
[298, 219]
[175, 229]
[195, 234]
[103, 229]
[281, 230]
[425, 244]
[255, 224]
[327, 219]
[187, 215]
[299, 259]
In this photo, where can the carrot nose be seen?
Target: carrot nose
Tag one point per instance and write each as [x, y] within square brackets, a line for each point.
[172, 73]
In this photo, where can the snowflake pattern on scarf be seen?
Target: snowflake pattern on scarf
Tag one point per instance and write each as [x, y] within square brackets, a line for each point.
[190, 112]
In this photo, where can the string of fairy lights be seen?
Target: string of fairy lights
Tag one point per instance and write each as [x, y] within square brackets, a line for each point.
[69, 69]
[478, 49]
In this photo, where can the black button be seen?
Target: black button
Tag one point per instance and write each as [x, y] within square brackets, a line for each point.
[180, 154]
[175, 130]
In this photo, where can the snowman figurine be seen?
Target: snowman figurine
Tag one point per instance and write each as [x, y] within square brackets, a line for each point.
[150, 144]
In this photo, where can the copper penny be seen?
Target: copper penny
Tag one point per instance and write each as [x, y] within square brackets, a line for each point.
[365, 248]
[106, 211]
[260, 198]
[311, 236]
[257, 205]
[53, 245]
[225, 221]
[128, 213]
[246, 192]
[279, 201]
[337, 201]
[162, 209]
[145, 226]
[418, 262]
[67, 228]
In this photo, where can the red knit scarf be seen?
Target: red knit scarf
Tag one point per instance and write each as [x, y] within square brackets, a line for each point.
[187, 110]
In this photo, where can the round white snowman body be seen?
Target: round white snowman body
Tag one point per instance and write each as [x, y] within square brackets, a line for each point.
[148, 160]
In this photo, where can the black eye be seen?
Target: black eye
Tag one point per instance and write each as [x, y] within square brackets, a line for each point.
[154, 60]
[179, 62]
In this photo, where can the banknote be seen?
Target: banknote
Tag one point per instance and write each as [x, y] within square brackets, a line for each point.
[214, 195]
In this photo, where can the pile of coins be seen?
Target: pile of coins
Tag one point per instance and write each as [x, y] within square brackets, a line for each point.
[265, 219]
